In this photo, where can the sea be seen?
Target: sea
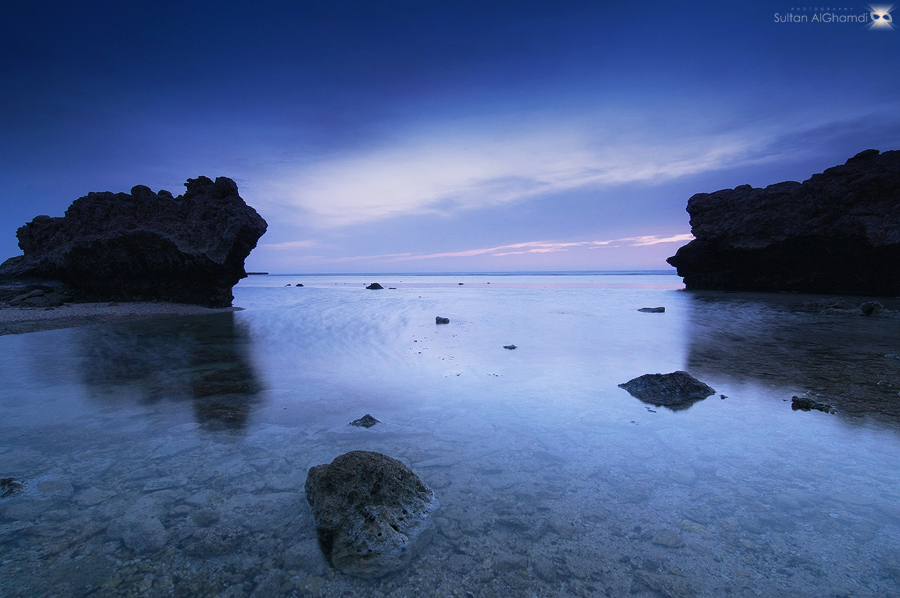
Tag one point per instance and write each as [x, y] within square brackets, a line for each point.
[167, 456]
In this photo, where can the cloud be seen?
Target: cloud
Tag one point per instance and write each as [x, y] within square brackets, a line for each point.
[477, 165]
[528, 247]
[290, 245]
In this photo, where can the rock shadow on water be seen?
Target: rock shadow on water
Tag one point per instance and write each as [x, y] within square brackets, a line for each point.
[202, 359]
[776, 341]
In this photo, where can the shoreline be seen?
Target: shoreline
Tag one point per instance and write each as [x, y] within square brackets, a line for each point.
[22, 320]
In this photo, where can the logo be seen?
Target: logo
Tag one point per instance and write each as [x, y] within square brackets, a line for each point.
[873, 17]
[881, 17]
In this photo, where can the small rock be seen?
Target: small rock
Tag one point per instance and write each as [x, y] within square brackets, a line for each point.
[372, 513]
[805, 404]
[510, 347]
[678, 390]
[10, 487]
[440, 320]
[509, 562]
[668, 538]
[374, 286]
[653, 310]
[299, 284]
[366, 421]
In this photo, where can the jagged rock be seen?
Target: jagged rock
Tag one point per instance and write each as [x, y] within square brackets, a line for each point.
[374, 286]
[836, 233]
[678, 390]
[144, 245]
[653, 310]
[805, 404]
[440, 320]
[366, 421]
[10, 487]
[842, 307]
[372, 513]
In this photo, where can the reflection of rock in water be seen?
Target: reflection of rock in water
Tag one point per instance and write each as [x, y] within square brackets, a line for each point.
[763, 339]
[201, 358]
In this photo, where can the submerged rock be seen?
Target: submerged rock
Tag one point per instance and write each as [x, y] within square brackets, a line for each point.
[374, 286]
[678, 390]
[366, 421]
[440, 320]
[372, 513]
[653, 310]
[838, 232]
[144, 245]
[510, 347]
[10, 487]
[805, 404]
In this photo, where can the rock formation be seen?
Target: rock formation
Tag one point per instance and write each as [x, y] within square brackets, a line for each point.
[371, 512]
[836, 233]
[678, 390]
[144, 245]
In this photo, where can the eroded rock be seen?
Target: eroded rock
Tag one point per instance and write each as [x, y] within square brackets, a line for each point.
[372, 513]
[143, 245]
[836, 233]
[678, 390]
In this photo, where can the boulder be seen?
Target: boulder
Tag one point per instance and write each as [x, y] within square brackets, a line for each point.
[836, 233]
[144, 245]
[440, 320]
[374, 286]
[366, 421]
[372, 513]
[678, 390]
[653, 310]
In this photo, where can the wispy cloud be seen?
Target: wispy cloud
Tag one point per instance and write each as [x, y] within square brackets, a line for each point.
[478, 165]
[527, 247]
[290, 245]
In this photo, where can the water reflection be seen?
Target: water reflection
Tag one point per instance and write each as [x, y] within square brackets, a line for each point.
[766, 340]
[201, 359]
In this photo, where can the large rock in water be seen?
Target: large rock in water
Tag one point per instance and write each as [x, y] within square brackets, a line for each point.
[144, 245]
[372, 513]
[838, 233]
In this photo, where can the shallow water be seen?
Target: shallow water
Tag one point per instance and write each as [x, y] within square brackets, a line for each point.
[168, 456]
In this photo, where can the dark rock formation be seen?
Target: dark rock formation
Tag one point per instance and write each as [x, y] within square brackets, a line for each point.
[10, 487]
[836, 233]
[678, 390]
[144, 245]
[440, 320]
[842, 307]
[653, 310]
[366, 421]
[371, 512]
[510, 347]
[374, 286]
[805, 404]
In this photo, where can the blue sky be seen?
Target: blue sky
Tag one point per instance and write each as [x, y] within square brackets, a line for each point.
[438, 136]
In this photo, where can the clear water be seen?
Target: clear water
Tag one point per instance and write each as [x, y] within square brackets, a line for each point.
[167, 456]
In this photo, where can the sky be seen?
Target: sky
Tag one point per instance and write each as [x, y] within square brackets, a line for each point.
[440, 136]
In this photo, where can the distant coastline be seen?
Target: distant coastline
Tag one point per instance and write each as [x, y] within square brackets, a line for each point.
[671, 271]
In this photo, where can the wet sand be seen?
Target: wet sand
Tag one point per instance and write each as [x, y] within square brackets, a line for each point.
[20, 320]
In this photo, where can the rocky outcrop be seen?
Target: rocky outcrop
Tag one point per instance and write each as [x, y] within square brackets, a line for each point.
[374, 287]
[144, 245]
[678, 390]
[836, 233]
[371, 512]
